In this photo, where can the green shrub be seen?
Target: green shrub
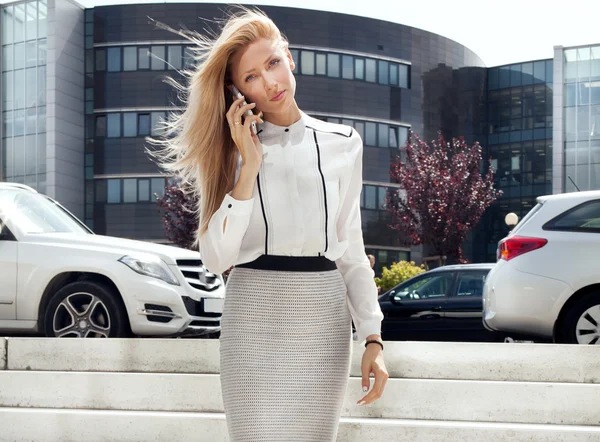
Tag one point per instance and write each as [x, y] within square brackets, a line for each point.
[397, 273]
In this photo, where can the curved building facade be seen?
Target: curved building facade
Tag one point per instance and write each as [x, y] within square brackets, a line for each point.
[382, 78]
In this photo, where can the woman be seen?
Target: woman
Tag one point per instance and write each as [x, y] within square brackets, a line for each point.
[283, 206]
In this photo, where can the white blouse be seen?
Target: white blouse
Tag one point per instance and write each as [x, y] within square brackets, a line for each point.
[306, 203]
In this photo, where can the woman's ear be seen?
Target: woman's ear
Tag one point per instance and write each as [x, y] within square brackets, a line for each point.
[288, 54]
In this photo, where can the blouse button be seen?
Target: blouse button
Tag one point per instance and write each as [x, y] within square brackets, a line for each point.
[286, 129]
[229, 206]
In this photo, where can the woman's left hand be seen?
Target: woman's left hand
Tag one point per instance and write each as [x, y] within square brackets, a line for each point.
[372, 363]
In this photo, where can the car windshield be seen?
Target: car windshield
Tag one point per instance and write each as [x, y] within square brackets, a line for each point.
[36, 213]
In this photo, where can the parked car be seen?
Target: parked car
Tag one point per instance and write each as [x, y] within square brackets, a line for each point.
[546, 281]
[444, 304]
[60, 279]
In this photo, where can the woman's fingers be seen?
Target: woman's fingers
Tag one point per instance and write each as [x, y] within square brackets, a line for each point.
[231, 112]
[241, 111]
[381, 377]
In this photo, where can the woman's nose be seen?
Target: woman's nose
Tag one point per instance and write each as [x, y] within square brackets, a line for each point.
[270, 82]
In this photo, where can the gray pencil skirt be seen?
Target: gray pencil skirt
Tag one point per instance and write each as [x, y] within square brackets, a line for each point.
[285, 354]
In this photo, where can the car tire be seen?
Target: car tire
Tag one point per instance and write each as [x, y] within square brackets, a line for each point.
[86, 309]
[588, 304]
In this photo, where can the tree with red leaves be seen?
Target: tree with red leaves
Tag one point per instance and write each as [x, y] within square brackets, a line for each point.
[443, 193]
[178, 216]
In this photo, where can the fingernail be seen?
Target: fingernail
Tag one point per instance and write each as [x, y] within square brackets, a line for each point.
[361, 403]
[365, 389]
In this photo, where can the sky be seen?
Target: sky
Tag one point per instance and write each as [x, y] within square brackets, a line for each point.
[500, 32]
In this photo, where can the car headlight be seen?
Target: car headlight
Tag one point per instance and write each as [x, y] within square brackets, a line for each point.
[150, 265]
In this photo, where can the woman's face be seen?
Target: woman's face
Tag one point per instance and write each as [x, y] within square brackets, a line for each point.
[262, 71]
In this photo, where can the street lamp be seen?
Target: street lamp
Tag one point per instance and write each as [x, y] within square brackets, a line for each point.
[511, 220]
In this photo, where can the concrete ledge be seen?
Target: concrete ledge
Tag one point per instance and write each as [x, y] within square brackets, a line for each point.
[475, 401]
[25, 425]
[424, 360]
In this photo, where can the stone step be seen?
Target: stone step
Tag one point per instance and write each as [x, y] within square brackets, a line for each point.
[426, 360]
[435, 399]
[51, 425]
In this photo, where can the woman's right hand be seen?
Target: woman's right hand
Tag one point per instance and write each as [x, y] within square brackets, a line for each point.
[244, 138]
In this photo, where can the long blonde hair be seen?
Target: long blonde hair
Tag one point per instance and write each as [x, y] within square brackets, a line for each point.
[198, 147]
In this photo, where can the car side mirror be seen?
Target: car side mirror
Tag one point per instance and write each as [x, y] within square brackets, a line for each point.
[392, 297]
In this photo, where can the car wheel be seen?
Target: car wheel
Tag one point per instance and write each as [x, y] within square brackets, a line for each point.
[581, 324]
[86, 310]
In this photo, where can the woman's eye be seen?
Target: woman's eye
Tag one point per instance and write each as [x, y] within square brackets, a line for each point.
[274, 62]
[249, 77]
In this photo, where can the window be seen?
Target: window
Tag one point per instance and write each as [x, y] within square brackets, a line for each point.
[471, 284]
[19, 56]
[144, 190]
[370, 197]
[426, 287]
[157, 188]
[113, 62]
[113, 125]
[403, 76]
[371, 70]
[129, 124]
[321, 65]
[130, 58]
[359, 68]
[175, 58]
[384, 70]
[130, 190]
[370, 134]
[333, 65]
[101, 126]
[31, 54]
[393, 74]
[360, 128]
[307, 63]
[384, 133]
[143, 58]
[156, 126]
[583, 218]
[114, 191]
[144, 124]
[158, 55]
[347, 67]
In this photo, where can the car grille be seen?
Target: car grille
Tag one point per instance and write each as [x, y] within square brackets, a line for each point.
[196, 275]
[196, 308]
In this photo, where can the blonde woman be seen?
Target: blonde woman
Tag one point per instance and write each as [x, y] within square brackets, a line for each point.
[283, 206]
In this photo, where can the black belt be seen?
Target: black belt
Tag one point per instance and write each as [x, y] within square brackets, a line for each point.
[291, 263]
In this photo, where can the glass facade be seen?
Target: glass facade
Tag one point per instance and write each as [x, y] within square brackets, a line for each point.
[24, 43]
[519, 144]
[581, 110]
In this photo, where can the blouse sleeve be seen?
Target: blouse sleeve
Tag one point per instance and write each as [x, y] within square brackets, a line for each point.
[354, 264]
[220, 247]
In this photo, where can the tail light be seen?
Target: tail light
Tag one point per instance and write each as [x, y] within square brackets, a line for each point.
[514, 246]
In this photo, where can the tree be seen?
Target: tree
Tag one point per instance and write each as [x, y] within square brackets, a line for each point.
[397, 273]
[178, 215]
[443, 193]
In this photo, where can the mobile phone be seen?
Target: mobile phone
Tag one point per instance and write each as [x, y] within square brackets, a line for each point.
[237, 94]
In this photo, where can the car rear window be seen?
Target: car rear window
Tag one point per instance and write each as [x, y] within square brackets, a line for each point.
[582, 218]
[527, 217]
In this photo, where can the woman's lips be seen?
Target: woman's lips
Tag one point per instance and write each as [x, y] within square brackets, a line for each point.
[279, 96]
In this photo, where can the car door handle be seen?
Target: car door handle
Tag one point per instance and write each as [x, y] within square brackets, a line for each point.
[437, 308]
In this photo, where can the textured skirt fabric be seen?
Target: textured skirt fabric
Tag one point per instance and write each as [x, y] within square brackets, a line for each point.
[285, 355]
